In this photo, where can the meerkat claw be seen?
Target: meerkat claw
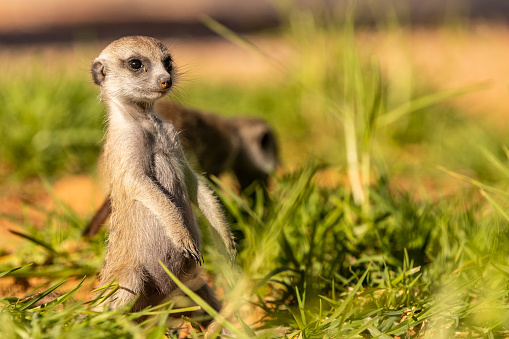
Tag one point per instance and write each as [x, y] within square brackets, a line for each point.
[195, 254]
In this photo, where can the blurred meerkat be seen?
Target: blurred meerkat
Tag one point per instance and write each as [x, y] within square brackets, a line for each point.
[245, 145]
[257, 154]
[151, 184]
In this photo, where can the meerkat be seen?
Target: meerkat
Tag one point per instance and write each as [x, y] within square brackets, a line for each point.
[151, 183]
[245, 145]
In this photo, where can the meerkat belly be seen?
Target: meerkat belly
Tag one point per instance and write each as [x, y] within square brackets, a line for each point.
[169, 175]
[143, 237]
[169, 178]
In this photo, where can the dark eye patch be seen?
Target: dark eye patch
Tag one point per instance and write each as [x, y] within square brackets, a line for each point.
[168, 64]
[266, 141]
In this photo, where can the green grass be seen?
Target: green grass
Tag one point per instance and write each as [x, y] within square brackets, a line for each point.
[355, 260]
[316, 264]
[51, 122]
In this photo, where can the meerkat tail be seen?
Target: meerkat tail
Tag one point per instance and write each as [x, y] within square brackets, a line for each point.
[98, 219]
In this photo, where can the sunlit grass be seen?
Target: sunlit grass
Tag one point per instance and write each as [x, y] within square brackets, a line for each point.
[316, 265]
[353, 260]
[51, 123]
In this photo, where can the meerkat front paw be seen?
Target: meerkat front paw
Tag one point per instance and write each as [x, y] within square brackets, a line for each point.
[191, 251]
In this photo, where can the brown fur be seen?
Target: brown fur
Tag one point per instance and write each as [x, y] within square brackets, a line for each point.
[151, 184]
[245, 145]
[219, 144]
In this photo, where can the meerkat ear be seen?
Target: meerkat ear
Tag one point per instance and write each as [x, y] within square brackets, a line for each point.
[98, 72]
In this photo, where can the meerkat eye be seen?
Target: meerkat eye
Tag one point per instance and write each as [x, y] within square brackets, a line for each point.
[135, 64]
[168, 64]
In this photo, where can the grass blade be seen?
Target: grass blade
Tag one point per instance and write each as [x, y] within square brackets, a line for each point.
[6, 273]
[206, 307]
[427, 101]
[35, 299]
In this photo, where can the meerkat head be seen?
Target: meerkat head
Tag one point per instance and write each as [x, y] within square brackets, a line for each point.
[136, 68]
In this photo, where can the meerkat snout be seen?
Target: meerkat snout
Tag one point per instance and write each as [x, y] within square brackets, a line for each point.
[165, 82]
[258, 150]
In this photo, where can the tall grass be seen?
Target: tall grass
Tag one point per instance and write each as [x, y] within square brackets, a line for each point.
[354, 260]
[51, 121]
[317, 266]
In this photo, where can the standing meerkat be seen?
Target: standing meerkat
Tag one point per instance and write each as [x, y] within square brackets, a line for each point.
[151, 184]
[245, 145]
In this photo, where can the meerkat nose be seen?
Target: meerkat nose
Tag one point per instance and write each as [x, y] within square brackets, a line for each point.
[165, 82]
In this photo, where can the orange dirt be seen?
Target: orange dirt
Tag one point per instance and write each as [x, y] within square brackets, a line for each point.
[448, 59]
[81, 193]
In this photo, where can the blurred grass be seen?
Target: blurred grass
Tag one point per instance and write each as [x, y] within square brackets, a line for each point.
[313, 260]
[51, 121]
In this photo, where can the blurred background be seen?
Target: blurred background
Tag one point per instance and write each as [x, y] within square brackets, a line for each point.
[36, 22]
[269, 59]
[442, 64]
[392, 119]
[420, 46]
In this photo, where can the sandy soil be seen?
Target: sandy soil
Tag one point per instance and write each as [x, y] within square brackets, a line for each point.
[29, 201]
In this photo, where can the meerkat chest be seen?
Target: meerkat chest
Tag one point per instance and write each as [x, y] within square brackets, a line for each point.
[166, 141]
[168, 160]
